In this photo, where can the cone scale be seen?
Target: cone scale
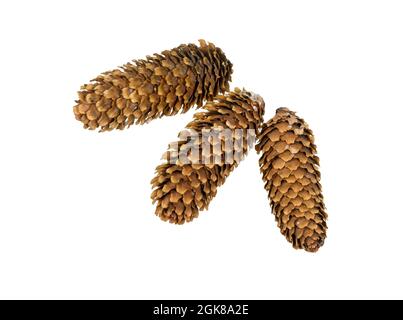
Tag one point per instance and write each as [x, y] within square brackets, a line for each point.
[290, 170]
[187, 183]
[160, 85]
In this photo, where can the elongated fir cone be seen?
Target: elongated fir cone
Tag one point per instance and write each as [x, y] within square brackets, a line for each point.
[290, 170]
[189, 180]
[160, 85]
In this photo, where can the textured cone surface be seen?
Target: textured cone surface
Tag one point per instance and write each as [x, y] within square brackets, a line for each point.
[160, 85]
[290, 170]
[186, 184]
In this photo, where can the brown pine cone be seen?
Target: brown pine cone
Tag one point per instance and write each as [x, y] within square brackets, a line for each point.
[160, 85]
[290, 170]
[210, 147]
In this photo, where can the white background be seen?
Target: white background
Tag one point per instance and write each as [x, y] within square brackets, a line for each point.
[76, 220]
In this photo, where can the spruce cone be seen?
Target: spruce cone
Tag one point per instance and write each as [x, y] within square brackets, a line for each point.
[160, 85]
[188, 182]
[290, 170]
